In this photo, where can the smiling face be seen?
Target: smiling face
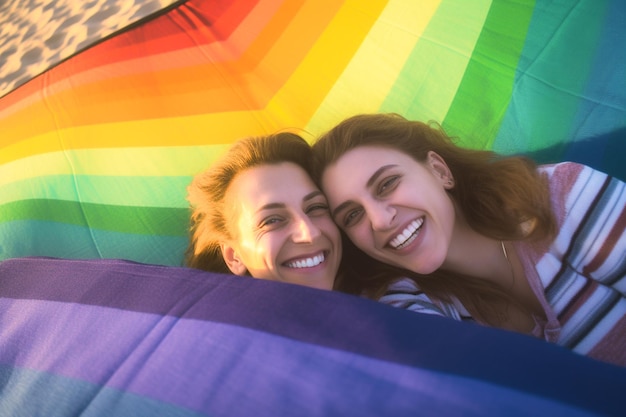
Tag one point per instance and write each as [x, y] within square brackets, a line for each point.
[282, 227]
[392, 207]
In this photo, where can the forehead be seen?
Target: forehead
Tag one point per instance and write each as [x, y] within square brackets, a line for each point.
[374, 154]
[351, 174]
[283, 183]
[362, 161]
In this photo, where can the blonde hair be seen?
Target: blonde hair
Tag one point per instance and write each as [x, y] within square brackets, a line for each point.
[206, 193]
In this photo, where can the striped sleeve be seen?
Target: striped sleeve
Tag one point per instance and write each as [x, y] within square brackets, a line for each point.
[584, 271]
[406, 294]
[592, 237]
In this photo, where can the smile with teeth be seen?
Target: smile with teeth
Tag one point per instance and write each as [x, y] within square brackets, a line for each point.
[307, 262]
[408, 235]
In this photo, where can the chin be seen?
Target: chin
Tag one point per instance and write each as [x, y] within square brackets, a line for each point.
[316, 285]
[425, 268]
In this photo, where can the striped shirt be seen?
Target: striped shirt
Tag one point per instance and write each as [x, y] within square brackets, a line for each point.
[579, 278]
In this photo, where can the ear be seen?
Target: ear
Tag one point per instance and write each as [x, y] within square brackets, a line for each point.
[232, 259]
[440, 169]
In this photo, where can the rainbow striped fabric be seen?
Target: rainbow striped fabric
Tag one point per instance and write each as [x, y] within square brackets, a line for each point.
[96, 152]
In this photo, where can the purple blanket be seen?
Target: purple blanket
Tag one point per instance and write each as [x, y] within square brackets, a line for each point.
[117, 338]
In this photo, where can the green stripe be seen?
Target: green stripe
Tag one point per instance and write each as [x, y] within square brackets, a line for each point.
[484, 94]
[165, 191]
[429, 79]
[161, 221]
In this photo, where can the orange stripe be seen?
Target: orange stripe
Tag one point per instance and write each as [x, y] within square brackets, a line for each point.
[98, 63]
[95, 67]
[191, 90]
[312, 72]
[210, 129]
[299, 99]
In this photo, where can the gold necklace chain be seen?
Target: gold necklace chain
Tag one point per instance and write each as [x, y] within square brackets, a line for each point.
[506, 256]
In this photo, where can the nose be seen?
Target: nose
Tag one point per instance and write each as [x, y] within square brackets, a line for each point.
[305, 231]
[381, 215]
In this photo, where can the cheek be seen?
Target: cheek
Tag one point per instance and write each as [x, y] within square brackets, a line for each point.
[328, 227]
[258, 245]
[447, 208]
[361, 237]
[271, 244]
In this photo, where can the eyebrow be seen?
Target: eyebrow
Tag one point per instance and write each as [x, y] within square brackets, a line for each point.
[340, 208]
[271, 206]
[378, 173]
[369, 183]
[312, 195]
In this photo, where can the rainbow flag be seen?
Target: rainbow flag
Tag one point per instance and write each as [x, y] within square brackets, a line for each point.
[97, 151]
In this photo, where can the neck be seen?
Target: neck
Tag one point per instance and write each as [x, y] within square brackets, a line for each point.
[471, 253]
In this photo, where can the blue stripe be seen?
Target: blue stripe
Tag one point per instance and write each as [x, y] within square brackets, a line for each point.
[607, 303]
[60, 240]
[604, 105]
[582, 241]
[579, 237]
[28, 393]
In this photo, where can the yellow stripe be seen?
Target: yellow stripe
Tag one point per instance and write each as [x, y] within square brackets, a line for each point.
[146, 161]
[207, 129]
[385, 51]
[299, 98]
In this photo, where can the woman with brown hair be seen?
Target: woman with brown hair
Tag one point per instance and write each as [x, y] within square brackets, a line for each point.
[476, 236]
[257, 212]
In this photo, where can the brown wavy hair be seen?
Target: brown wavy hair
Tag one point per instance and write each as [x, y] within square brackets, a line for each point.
[207, 191]
[504, 198]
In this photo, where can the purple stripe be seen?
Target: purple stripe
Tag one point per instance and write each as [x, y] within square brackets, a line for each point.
[316, 317]
[107, 282]
[213, 368]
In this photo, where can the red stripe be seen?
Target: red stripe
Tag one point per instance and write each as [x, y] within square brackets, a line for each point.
[607, 246]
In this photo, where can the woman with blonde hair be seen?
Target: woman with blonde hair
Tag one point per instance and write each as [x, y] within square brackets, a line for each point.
[476, 236]
[257, 212]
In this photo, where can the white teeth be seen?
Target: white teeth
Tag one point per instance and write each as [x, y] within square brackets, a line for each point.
[308, 262]
[408, 235]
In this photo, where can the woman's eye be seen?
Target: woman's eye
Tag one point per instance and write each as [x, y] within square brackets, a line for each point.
[271, 221]
[387, 184]
[352, 217]
[317, 208]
